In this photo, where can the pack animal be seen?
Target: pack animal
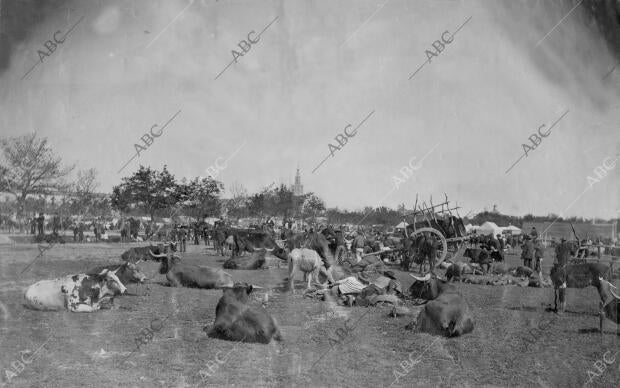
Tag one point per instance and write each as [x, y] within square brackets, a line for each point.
[303, 260]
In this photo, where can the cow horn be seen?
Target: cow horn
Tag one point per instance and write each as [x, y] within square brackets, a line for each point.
[157, 256]
[105, 271]
[269, 250]
[425, 278]
[254, 286]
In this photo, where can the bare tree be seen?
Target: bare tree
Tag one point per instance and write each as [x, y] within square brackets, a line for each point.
[30, 167]
[238, 203]
[83, 190]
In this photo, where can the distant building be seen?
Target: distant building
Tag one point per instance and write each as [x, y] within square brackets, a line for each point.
[297, 188]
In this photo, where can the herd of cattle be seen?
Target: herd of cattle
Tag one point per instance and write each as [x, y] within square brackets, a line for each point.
[314, 254]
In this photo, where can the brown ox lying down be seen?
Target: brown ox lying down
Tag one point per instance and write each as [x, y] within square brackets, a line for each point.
[193, 276]
[446, 313]
[255, 260]
[236, 320]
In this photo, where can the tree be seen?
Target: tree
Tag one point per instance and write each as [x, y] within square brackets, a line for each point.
[312, 205]
[200, 197]
[237, 206]
[30, 167]
[147, 189]
[83, 191]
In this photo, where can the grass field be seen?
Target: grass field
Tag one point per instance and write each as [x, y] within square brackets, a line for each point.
[99, 349]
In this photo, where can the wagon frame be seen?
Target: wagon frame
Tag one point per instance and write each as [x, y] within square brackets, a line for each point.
[450, 246]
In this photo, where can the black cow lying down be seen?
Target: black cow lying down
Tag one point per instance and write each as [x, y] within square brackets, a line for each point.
[446, 312]
[255, 260]
[137, 254]
[236, 320]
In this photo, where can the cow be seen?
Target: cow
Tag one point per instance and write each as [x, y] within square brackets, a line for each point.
[446, 312]
[479, 256]
[236, 320]
[256, 239]
[254, 261]
[191, 276]
[457, 270]
[575, 276]
[305, 260]
[609, 306]
[419, 248]
[311, 240]
[138, 254]
[126, 272]
[76, 293]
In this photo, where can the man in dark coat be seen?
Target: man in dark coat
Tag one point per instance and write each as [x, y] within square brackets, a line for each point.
[40, 221]
[539, 252]
[527, 253]
[562, 253]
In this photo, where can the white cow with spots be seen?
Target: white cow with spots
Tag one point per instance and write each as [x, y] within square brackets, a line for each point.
[76, 293]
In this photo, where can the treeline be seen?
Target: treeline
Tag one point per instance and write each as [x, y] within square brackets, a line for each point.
[41, 182]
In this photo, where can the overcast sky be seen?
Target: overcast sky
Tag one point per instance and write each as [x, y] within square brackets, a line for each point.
[320, 66]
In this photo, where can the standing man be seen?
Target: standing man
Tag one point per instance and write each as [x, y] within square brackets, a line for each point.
[359, 240]
[562, 253]
[55, 223]
[534, 233]
[183, 238]
[98, 228]
[539, 252]
[196, 233]
[527, 253]
[33, 224]
[40, 221]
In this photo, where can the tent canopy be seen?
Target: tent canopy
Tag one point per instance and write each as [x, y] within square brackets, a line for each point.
[489, 228]
[402, 225]
[513, 230]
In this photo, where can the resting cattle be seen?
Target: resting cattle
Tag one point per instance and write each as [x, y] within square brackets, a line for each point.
[446, 312]
[254, 261]
[137, 254]
[192, 276]
[305, 260]
[236, 320]
[126, 272]
[479, 256]
[457, 270]
[76, 293]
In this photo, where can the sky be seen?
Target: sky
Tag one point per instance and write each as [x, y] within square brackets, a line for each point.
[460, 122]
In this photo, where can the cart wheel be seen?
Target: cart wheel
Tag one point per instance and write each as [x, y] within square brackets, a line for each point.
[442, 252]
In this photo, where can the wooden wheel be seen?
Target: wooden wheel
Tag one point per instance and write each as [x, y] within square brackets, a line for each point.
[442, 251]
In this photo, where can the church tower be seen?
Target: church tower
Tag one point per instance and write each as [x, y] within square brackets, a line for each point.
[298, 188]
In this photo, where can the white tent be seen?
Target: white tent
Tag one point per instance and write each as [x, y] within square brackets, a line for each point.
[211, 220]
[489, 228]
[513, 230]
[402, 225]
